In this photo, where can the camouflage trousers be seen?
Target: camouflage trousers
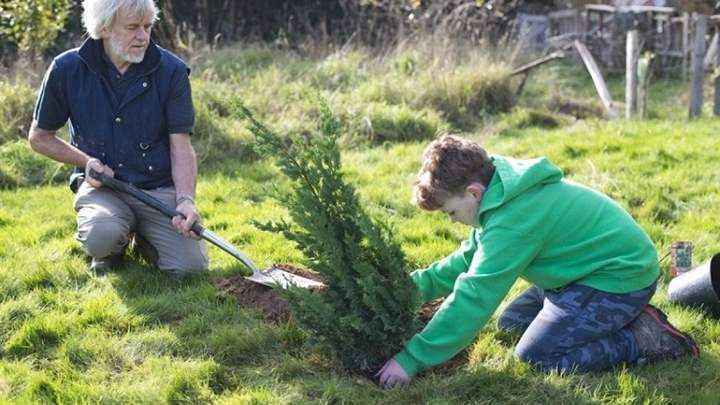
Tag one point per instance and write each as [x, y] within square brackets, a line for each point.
[575, 327]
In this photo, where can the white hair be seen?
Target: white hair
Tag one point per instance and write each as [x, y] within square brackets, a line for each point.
[99, 14]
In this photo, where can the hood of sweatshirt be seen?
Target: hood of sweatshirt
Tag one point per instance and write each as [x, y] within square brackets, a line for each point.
[514, 176]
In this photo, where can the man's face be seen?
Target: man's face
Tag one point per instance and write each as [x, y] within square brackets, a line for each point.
[128, 37]
[464, 207]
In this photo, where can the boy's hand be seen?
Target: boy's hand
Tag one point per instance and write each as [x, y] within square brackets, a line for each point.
[392, 374]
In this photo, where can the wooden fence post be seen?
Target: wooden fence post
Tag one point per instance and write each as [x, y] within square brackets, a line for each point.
[644, 63]
[698, 71]
[597, 78]
[631, 74]
[716, 70]
[685, 44]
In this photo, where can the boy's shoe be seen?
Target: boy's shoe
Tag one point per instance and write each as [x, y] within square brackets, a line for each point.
[106, 264]
[658, 339]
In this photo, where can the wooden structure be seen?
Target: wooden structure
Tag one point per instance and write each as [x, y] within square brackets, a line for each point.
[631, 74]
[676, 43]
[598, 79]
[565, 27]
[697, 66]
[602, 28]
[607, 26]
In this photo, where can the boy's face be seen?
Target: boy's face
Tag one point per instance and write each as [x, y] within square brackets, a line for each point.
[464, 207]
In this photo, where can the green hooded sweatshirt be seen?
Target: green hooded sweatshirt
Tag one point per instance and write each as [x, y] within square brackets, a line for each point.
[537, 226]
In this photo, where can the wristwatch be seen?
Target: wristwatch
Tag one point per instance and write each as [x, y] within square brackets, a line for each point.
[182, 198]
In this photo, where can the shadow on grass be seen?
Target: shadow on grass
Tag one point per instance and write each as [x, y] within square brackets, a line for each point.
[207, 322]
[687, 380]
[253, 353]
[484, 386]
[252, 356]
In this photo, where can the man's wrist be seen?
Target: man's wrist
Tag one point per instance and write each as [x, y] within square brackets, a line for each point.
[183, 198]
[90, 159]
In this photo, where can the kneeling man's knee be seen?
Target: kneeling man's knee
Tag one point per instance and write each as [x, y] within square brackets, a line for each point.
[103, 238]
[188, 263]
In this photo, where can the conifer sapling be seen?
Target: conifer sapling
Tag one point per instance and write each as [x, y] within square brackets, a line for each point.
[368, 310]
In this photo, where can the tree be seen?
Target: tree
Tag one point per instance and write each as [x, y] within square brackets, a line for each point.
[33, 25]
[368, 309]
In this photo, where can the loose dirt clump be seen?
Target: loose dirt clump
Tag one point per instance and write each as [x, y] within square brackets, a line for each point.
[425, 314]
[261, 297]
[275, 309]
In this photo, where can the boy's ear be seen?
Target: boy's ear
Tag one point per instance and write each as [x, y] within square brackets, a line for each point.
[476, 189]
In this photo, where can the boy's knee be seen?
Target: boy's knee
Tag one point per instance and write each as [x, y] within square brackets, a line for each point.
[525, 354]
[103, 238]
[509, 324]
[531, 354]
[539, 359]
[505, 324]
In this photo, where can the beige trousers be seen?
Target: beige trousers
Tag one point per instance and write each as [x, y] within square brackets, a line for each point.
[106, 218]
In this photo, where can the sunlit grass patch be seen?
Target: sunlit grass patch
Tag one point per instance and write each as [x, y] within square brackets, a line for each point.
[39, 335]
[255, 396]
[14, 312]
[238, 344]
[93, 349]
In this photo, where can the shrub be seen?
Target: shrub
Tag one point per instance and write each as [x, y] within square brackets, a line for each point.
[240, 62]
[368, 309]
[523, 118]
[216, 137]
[33, 25]
[577, 108]
[339, 71]
[16, 110]
[379, 122]
[465, 94]
[21, 166]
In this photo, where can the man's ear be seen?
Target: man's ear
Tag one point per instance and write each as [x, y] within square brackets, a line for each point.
[476, 189]
[105, 31]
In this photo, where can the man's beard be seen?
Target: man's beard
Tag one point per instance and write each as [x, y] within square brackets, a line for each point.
[117, 49]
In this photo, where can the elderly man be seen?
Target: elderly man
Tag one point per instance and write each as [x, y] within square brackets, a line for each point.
[131, 116]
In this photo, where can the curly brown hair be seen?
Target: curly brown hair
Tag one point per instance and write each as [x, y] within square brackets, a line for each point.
[450, 163]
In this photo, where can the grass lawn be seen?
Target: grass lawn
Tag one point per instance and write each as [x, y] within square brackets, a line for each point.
[137, 336]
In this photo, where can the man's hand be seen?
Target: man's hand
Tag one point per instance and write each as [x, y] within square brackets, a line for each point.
[392, 374]
[187, 208]
[93, 163]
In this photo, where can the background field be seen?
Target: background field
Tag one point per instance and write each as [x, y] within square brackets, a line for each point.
[136, 336]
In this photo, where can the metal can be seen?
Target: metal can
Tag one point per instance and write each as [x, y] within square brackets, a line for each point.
[680, 257]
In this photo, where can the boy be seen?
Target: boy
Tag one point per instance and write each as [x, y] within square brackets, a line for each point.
[592, 269]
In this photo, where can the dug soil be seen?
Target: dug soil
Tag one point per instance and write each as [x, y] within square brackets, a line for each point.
[275, 309]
